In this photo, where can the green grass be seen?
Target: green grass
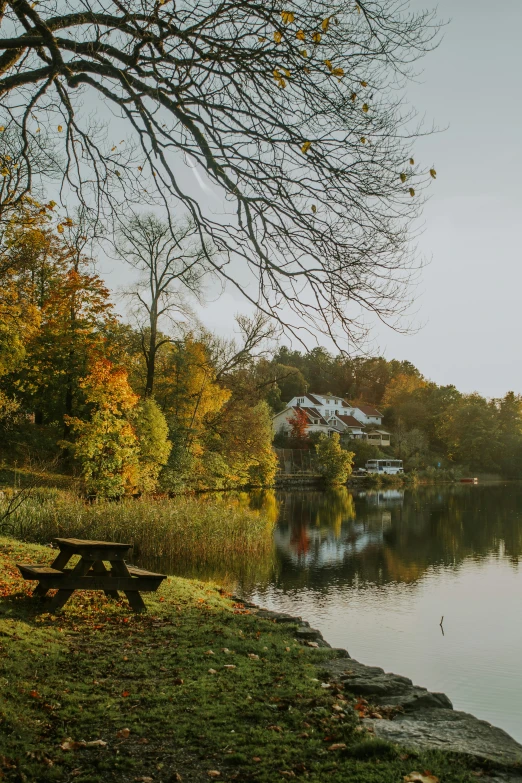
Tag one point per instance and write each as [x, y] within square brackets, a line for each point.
[95, 669]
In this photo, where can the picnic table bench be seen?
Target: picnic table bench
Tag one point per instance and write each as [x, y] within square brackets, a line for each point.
[90, 573]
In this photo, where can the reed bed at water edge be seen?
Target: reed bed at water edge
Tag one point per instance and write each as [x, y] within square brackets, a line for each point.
[184, 529]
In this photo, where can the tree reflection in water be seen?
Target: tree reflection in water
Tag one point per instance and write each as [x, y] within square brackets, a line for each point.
[389, 535]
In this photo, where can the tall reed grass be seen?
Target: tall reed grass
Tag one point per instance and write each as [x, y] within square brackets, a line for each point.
[202, 535]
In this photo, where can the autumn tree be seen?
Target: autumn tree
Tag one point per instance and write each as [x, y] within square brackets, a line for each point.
[291, 114]
[242, 435]
[298, 425]
[335, 464]
[152, 431]
[106, 445]
[72, 308]
[170, 262]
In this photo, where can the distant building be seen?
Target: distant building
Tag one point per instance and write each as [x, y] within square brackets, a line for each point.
[328, 413]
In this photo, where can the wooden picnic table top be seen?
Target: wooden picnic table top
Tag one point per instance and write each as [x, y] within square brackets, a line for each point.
[82, 543]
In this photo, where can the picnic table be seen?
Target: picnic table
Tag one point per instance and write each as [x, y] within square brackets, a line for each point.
[91, 573]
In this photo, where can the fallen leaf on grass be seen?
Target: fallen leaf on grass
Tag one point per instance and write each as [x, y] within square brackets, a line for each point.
[338, 746]
[417, 777]
[178, 681]
[229, 666]
[70, 744]
[143, 741]
[212, 671]
[253, 656]
[34, 694]
[99, 743]
[256, 758]
[214, 773]
[125, 694]
[274, 728]
[123, 733]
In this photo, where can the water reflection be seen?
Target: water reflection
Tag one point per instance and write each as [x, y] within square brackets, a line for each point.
[391, 535]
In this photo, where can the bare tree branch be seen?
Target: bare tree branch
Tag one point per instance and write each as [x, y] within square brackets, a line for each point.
[292, 113]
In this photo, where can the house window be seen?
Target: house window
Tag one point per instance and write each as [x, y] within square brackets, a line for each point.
[300, 400]
[316, 421]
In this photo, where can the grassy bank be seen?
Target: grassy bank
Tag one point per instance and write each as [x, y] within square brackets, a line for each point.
[202, 532]
[154, 696]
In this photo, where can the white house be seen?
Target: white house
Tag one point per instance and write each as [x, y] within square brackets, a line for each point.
[328, 413]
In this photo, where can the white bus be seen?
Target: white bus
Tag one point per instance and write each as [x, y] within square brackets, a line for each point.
[390, 466]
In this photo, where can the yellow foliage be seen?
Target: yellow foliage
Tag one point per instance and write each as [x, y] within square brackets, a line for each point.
[287, 17]
[325, 24]
[306, 146]
[277, 36]
[316, 37]
[433, 173]
[411, 192]
[300, 34]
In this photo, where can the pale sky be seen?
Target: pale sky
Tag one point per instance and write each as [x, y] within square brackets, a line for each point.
[469, 301]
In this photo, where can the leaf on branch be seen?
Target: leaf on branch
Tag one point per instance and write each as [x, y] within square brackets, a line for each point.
[353, 96]
[433, 173]
[2, 128]
[363, 140]
[358, 7]
[304, 52]
[328, 65]
[365, 107]
[5, 172]
[300, 34]
[412, 192]
[60, 128]
[306, 146]
[261, 38]
[411, 161]
[338, 72]
[325, 24]
[287, 17]
[403, 176]
[279, 78]
[112, 149]
[277, 36]
[364, 84]
[306, 70]
[287, 73]
[314, 208]
[59, 228]
[316, 37]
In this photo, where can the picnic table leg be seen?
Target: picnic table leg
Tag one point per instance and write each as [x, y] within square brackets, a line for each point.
[99, 568]
[59, 562]
[119, 567]
[62, 596]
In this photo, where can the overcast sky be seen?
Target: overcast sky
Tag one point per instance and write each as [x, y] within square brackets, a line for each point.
[469, 302]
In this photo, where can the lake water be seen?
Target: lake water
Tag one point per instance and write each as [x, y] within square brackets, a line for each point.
[375, 571]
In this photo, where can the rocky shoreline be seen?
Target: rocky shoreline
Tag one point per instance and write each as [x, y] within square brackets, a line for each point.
[396, 710]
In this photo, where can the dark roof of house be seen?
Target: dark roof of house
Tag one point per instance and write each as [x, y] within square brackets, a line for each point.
[330, 397]
[313, 399]
[369, 410]
[312, 413]
[350, 421]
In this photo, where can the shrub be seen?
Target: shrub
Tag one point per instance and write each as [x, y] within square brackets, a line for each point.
[335, 464]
